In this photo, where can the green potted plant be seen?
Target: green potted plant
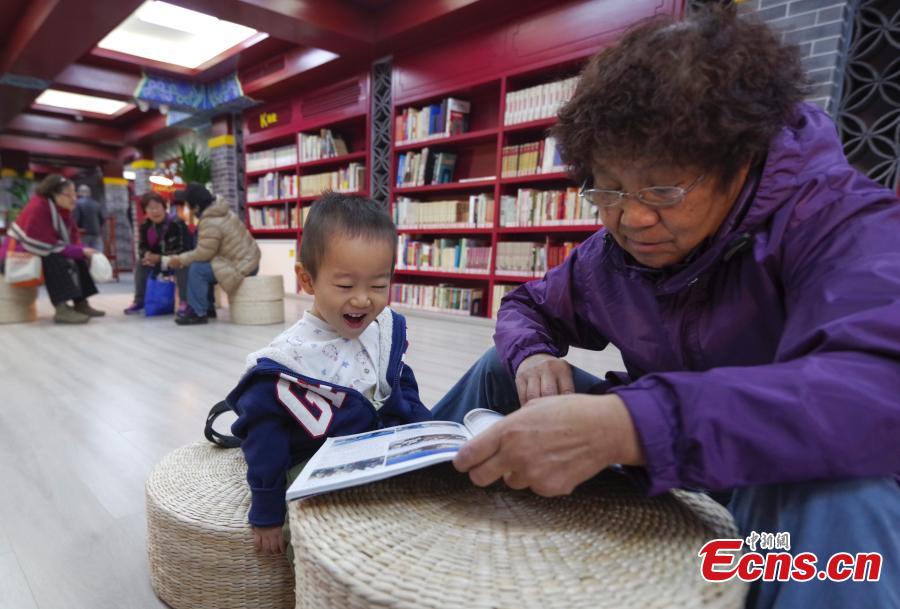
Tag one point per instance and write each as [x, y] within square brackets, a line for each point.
[195, 167]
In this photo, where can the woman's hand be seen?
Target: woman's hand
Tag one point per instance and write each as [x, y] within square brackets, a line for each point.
[175, 263]
[89, 252]
[268, 540]
[543, 375]
[151, 259]
[554, 444]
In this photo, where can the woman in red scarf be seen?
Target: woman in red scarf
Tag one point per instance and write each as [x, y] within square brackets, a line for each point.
[47, 229]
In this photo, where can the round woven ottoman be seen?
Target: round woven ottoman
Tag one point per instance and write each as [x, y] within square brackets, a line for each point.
[258, 301]
[17, 304]
[431, 539]
[199, 542]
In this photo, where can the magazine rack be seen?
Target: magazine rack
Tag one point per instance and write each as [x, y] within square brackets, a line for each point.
[199, 542]
[432, 539]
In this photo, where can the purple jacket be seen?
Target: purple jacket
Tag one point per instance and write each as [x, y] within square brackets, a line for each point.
[774, 354]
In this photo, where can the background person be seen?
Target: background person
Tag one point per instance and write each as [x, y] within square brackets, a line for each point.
[161, 234]
[226, 252]
[47, 229]
[89, 217]
[750, 278]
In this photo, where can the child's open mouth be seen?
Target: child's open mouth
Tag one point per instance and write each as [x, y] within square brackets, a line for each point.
[354, 321]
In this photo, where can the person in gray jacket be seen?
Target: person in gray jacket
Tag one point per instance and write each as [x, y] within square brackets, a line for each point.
[89, 217]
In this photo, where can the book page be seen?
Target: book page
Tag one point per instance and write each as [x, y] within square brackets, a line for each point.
[350, 460]
[479, 419]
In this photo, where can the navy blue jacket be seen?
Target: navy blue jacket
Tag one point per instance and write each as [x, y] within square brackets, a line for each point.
[284, 417]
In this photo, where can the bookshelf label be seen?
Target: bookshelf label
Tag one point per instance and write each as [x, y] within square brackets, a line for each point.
[271, 117]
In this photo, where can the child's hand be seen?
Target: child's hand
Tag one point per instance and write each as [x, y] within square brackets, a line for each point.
[268, 540]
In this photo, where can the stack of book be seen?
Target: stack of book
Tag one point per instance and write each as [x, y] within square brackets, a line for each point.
[349, 179]
[272, 186]
[270, 159]
[322, 146]
[425, 167]
[547, 208]
[440, 298]
[450, 117]
[541, 101]
[476, 212]
[445, 255]
[269, 217]
[529, 258]
[532, 158]
[500, 290]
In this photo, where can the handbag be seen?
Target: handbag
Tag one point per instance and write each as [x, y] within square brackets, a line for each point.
[100, 269]
[22, 270]
[159, 297]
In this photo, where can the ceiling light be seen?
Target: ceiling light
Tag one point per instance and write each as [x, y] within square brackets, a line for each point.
[161, 181]
[129, 175]
[81, 103]
[170, 34]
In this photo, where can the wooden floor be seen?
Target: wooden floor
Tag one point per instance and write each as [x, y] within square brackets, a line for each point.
[85, 412]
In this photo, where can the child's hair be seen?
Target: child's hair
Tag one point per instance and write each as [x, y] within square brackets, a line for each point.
[348, 215]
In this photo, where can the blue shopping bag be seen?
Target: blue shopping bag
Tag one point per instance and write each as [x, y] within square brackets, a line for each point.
[159, 297]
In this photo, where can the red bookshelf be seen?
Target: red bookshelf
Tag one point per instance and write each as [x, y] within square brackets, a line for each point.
[341, 108]
[479, 153]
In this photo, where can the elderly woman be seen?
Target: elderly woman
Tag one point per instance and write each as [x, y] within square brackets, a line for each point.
[750, 278]
[226, 252]
[47, 229]
[160, 234]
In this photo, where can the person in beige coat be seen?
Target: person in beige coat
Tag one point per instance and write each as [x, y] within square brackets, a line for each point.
[226, 252]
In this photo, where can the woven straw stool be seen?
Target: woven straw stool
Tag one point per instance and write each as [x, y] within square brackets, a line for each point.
[259, 300]
[199, 542]
[431, 539]
[17, 304]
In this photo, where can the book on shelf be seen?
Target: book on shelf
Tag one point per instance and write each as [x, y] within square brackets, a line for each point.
[475, 212]
[443, 255]
[347, 461]
[500, 290]
[348, 179]
[440, 298]
[269, 159]
[322, 146]
[276, 216]
[450, 117]
[538, 102]
[532, 158]
[301, 212]
[530, 207]
[425, 167]
[273, 186]
[530, 258]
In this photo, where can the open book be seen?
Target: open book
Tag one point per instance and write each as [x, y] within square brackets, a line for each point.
[347, 461]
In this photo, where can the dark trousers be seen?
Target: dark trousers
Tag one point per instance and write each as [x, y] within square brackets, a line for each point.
[141, 273]
[67, 279]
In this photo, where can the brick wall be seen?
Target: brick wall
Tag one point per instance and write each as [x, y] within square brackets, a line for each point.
[821, 28]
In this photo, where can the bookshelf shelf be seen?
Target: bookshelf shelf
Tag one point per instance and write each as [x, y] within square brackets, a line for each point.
[501, 278]
[553, 228]
[261, 172]
[444, 274]
[482, 135]
[272, 232]
[542, 123]
[272, 202]
[445, 231]
[538, 177]
[448, 187]
[334, 160]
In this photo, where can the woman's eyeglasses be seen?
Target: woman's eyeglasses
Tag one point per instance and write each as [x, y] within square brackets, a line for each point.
[653, 196]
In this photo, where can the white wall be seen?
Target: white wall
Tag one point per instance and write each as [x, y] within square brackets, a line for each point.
[278, 256]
